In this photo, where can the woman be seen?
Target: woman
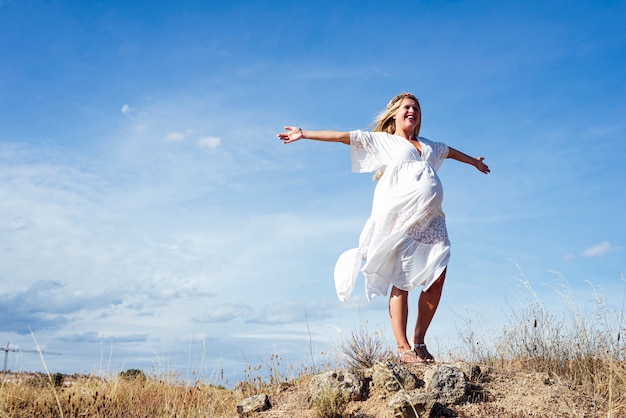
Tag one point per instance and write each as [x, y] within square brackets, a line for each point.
[404, 242]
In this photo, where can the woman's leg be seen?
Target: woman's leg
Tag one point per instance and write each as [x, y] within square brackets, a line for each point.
[426, 307]
[399, 313]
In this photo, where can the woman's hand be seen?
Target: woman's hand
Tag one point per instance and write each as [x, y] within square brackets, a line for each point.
[292, 134]
[464, 158]
[481, 166]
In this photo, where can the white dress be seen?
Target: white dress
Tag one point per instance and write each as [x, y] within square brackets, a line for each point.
[405, 241]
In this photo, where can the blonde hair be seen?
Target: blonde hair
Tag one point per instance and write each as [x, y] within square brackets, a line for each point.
[384, 121]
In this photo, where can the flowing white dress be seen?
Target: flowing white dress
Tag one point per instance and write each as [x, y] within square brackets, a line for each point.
[405, 241]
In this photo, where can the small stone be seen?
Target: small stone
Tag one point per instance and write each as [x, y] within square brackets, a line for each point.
[390, 378]
[411, 404]
[253, 405]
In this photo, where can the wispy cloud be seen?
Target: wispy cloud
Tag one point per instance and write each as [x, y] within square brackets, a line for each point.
[598, 249]
[224, 313]
[175, 136]
[280, 313]
[47, 304]
[210, 142]
[294, 311]
[96, 337]
[14, 224]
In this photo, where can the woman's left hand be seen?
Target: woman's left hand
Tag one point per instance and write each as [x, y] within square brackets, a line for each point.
[481, 166]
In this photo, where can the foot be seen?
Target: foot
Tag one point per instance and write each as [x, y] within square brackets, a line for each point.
[409, 357]
[422, 353]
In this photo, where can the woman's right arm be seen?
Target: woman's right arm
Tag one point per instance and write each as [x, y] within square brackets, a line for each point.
[294, 133]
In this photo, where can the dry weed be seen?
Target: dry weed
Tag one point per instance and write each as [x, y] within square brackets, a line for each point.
[363, 348]
[331, 403]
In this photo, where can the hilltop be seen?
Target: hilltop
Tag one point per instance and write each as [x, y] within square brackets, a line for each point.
[510, 390]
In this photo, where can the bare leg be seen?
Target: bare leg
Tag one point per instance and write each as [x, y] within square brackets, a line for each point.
[399, 313]
[426, 308]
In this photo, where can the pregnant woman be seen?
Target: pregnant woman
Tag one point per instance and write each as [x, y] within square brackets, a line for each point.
[404, 242]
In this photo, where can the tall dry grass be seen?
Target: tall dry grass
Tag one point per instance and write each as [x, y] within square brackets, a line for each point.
[117, 397]
[134, 394]
[581, 347]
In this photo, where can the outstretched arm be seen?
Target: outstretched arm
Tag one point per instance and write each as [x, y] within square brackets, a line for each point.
[464, 158]
[294, 133]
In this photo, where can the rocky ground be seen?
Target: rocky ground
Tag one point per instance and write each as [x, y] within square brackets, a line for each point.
[489, 392]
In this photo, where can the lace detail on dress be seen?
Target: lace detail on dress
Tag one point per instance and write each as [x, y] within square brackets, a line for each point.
[364, 152]
[363, 143]
[359, 143]
[430, 231]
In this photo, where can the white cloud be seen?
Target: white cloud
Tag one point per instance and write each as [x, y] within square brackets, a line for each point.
[210, 142]
[126, 109]
[598, 249]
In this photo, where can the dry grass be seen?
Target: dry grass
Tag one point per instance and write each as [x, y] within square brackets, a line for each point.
[119, 397]
[582, 354]
[581, 349]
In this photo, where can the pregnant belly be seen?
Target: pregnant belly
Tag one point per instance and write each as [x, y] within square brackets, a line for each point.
[419, 192]
[428, 192]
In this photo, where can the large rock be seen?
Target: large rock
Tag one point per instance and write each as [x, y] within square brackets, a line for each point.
[390, 378]
[253, 404]
[349, 384]
[446, 384]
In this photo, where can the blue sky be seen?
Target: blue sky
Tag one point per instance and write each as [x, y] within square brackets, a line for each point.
[149, 217]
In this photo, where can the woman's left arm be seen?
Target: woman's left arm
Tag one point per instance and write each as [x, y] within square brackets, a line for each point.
[464, 158]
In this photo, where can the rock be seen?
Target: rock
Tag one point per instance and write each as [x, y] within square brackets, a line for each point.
[411, 404]
[472, 371]
[253, 405]
[446, 384]
[349, 384]
[390, 378]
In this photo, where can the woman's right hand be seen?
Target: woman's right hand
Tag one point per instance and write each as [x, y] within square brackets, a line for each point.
[292, 134]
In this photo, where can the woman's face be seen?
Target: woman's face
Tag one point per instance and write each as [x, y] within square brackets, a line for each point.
[408, 115]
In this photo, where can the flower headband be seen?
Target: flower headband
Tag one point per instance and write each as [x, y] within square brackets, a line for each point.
[398, 97]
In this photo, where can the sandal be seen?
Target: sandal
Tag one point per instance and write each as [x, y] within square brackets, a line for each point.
[410, 357]
[424, 355]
